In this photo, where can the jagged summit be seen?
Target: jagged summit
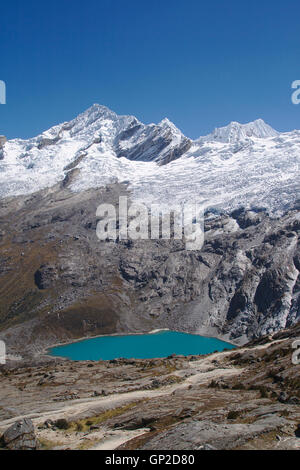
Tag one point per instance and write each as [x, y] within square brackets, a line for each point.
[168, 123]
[97, 110]
[235, 132]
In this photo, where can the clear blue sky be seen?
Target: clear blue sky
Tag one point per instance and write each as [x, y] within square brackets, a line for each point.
[200, 63]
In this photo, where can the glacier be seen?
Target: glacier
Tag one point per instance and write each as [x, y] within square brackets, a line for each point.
[249, 165]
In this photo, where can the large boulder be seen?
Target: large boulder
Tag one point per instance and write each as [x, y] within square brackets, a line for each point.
[20, 436]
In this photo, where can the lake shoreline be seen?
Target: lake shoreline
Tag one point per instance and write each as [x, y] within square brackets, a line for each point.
[47, 351]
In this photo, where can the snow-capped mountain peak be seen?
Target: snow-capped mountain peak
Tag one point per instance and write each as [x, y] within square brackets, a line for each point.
[236, 132]
[167, 123]
[240, 164]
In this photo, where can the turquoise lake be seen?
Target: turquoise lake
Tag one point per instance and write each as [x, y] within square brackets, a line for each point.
[144, 346]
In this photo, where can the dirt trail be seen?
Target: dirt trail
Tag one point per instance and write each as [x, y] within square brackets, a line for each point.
[115, 439]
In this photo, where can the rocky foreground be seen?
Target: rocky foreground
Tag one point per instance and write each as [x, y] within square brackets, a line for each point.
[248, 398]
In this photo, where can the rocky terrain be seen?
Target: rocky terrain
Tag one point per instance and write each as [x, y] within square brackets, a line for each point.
[248, 398]
[59, 282]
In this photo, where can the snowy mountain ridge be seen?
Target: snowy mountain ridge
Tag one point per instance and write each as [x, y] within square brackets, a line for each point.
[240, 164]
[236, 132]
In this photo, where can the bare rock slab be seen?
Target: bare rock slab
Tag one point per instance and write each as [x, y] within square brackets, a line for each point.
[21, 436]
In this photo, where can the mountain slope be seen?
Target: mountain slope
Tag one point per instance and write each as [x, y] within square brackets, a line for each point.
[236, 132]
[59, 282]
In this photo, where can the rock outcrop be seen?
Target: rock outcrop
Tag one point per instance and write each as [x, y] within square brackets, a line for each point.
[20, 436]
